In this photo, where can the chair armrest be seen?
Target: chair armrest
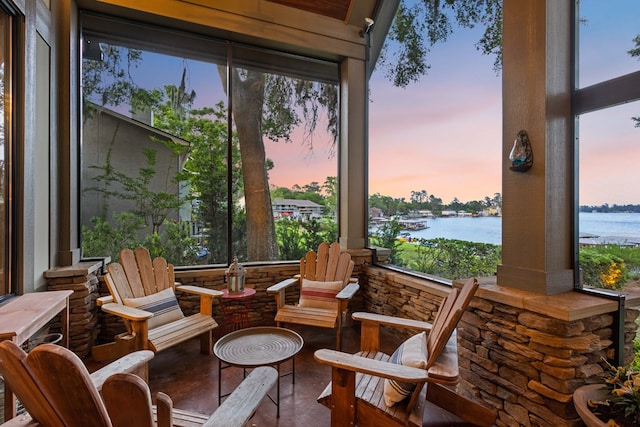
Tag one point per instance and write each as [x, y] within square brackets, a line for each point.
[197, 290]
[397, 322]
[128, 363]
[278, 287]
[23, 420]
[104, 300]
[126, 312]
[378, 368]
[238, 408]
[348, 291]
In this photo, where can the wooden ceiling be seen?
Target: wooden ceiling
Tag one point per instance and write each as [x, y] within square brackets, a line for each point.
[337, 9]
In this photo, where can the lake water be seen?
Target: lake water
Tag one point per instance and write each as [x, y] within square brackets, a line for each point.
[489, 229]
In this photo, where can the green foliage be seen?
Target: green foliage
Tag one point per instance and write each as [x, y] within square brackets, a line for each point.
[105, 239]
[602, 269]
[452, 259]
[289, 238]
[174, 244]
[296, 237]
[386, 237]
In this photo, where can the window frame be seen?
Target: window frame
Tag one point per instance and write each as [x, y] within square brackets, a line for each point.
[602, 95]
[196, 46]
[14, 51]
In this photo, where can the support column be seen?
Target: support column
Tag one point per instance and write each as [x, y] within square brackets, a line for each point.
[537, 228]
[352, 161]
[67, 56]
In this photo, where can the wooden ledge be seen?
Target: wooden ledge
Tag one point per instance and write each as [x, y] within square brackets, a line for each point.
[568, 306]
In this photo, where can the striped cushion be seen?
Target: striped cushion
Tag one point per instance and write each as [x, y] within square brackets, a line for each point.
[163, 305]
[412, 352]
[319, 294]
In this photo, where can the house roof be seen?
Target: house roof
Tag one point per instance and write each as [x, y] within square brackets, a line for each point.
[296, 202]
[147, 127]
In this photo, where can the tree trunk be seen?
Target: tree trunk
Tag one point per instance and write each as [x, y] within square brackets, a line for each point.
[248, 100]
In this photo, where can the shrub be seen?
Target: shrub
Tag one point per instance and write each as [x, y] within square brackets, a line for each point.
[602, 270]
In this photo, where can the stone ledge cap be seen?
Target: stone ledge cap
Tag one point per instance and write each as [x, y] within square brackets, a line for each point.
[568, 306]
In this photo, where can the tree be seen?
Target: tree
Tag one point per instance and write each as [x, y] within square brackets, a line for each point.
[269, 105]
[420, 24]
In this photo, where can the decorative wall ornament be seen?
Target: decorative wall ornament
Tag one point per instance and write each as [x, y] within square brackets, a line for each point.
[521, 155]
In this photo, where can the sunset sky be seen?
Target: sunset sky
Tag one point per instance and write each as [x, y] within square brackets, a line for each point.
[443, 134]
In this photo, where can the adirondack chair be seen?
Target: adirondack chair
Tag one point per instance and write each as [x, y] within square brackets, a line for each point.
[389, 390]
[326, 287]
[143, 294]
[57, 391]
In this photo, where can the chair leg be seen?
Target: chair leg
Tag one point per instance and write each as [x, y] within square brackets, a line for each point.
[206, 343]
[123, 345]
[343, 397]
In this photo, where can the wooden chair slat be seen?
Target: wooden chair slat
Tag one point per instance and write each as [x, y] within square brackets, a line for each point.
[344, 268]
[441, 317]
[130, 266]
[453, 317]
[309, 269]
[332, 262]
[160, 274]
[119, 286]
[128, 401]
[321, 261]
[145, 270]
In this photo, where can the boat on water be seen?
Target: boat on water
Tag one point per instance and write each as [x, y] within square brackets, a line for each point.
[413, 224]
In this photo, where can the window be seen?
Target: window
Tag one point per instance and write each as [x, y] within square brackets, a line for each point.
[7, 142]
[203, 149]
[434, 165]
[607, 133]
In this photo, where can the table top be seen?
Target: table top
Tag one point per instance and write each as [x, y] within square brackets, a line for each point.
[258, 346]
[22, 316]
[247, 292]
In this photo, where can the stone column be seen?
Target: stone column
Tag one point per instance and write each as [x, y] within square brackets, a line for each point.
[82, 279]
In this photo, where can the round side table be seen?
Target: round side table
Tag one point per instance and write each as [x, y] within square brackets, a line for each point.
[235, 309]
[258, 346]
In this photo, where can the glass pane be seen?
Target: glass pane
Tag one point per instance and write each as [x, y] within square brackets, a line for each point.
[609, 217]
[435, 163]
[285, 167]
[154, 153]
[608, 30]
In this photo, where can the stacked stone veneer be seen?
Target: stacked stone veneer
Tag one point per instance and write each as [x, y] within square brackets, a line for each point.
[527, 365]
[82, 279]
